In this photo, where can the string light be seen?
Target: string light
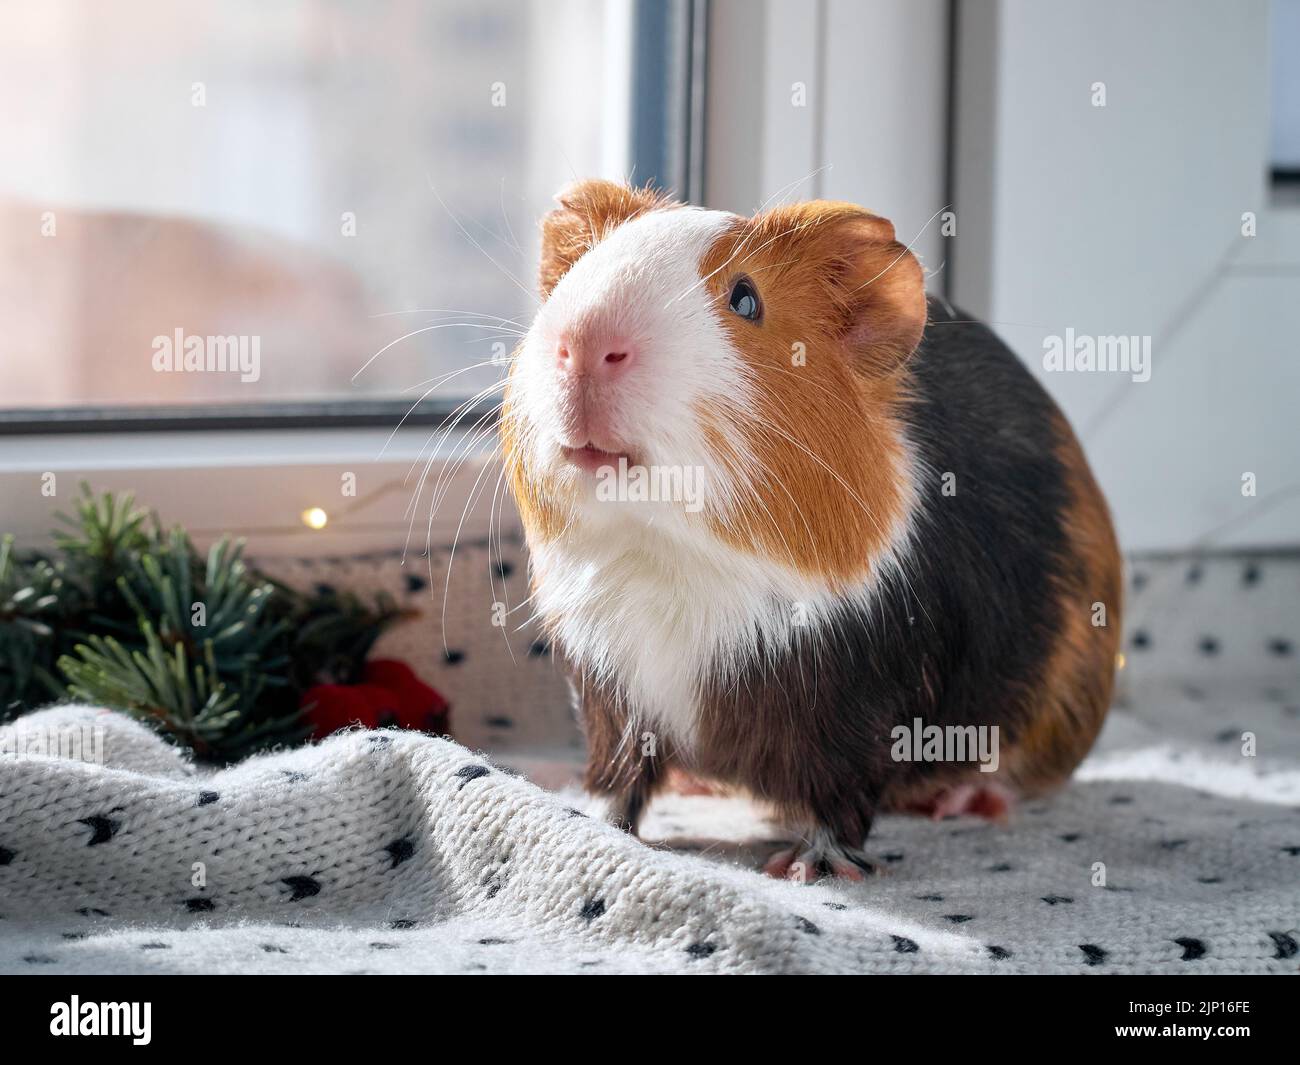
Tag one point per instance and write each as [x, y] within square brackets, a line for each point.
[315, 518]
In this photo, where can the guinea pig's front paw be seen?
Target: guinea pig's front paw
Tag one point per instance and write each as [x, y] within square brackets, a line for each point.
[816, 857]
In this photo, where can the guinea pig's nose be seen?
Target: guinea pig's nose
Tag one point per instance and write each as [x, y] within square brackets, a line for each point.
[601, 360]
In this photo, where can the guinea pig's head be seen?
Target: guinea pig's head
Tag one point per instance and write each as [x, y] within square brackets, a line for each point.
[710, 375]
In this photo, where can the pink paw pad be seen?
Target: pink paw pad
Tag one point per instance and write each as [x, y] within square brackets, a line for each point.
[805, 866]
[990, 801]
[684, 783]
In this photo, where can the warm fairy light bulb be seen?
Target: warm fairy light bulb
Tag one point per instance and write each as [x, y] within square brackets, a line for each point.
[1120, 661]
[315, 518]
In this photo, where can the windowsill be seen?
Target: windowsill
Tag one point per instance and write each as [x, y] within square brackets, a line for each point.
[258, 482]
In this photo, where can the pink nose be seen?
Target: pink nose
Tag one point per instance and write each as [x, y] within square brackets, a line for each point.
[601, 360]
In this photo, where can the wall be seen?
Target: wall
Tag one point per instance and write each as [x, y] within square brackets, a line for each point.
[1126, 219]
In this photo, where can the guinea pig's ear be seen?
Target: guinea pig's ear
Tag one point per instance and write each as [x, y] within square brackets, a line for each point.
[588, 212]
[877, 285]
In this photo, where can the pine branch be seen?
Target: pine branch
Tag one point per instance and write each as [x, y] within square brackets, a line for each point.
[204, 648]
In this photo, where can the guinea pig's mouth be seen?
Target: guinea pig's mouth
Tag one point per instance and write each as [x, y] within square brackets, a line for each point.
[591, 458]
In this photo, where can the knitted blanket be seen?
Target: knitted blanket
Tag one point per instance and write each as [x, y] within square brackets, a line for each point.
[1175, 849]
[398, 852]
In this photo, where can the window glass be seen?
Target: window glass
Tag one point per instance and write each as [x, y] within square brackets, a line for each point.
[265, 194]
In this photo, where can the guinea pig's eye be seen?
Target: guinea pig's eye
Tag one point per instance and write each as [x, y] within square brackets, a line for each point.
[744, 300]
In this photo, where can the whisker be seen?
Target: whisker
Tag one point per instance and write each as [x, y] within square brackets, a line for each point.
[417, 332]
[511, 277]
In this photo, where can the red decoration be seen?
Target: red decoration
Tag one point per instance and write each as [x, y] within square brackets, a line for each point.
[390, 695]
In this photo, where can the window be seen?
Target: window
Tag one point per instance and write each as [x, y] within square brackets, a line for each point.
[233, 207]
[1284, 150]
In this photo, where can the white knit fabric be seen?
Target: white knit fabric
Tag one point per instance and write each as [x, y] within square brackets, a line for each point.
[396, 852]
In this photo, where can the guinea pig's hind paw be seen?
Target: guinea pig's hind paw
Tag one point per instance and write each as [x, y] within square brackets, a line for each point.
[990, 801]
[807, 862]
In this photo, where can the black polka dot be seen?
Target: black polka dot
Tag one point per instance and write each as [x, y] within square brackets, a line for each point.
[1192, 948]
[1001, 867]
[92, 911]
[835, 905]
[806, 926]
[499, 722]
[301, 887]
[326, 589]
[7, 856]
[38, 959]
[1139, 581]
[1194, 575]
[574, 813]
[383, 946]
[453, 658]
[539, 649]
[1293, 851]
[154, 946]
[1071, 837]
[894, 856]
[1093, 954]
[1210, 879]
[1280, 647]
[271, 948]
[102, 828]
[1287, 947]
[75, 935]
[1057, 900]
[1172, 844]
[502, 569]
[293, 776]
[415, 583]
[200, 905]
[490, 941]
[207, 798]
[930, 898]
[1121, 800]
[591, 909]
[400, 850]
[1209, 646]
[958, 918]
[701, 950]
[1251, 574]
[903, 945]
[1141, 640]
[402, 924]
[998, 953]
[471, 772]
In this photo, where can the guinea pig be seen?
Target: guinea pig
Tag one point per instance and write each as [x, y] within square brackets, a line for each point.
[789, 521]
